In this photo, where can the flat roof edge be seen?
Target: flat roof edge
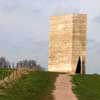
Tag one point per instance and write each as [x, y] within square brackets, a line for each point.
[69, 15]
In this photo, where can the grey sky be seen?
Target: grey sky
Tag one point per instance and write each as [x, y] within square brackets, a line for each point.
[24, 28]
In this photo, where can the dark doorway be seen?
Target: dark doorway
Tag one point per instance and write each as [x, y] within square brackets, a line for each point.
[78, 68]
[83, 67]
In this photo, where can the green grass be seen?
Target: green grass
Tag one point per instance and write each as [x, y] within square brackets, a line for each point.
[35, 86]
[4, 72]
[87, 87]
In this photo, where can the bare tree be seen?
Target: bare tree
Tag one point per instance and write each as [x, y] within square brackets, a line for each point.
[29, 63]
[4, 63]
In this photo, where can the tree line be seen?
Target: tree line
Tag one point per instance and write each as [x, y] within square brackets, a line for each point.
[32, 64]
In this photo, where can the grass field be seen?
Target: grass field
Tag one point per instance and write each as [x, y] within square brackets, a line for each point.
[35, 86]
[87, 87]
[38, 85]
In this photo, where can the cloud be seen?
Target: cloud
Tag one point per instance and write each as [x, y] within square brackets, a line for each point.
[8, 5]
[24, 27]
[60, 10]
[93, 49]
[97, 19]
[93, 45]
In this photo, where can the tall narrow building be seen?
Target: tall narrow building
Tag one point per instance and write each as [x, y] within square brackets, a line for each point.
[67, 44]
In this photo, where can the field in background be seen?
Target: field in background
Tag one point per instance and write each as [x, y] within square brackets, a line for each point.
[37, 85]
[87, 87]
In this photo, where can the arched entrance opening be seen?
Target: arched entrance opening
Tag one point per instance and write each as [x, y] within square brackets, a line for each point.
[78, 68]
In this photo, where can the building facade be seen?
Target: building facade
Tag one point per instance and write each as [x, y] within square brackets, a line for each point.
[67, 43]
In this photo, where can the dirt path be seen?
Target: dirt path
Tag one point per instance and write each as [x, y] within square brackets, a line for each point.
[63, 89]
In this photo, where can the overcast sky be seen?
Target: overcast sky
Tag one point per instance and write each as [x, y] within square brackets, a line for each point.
[24, 28]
